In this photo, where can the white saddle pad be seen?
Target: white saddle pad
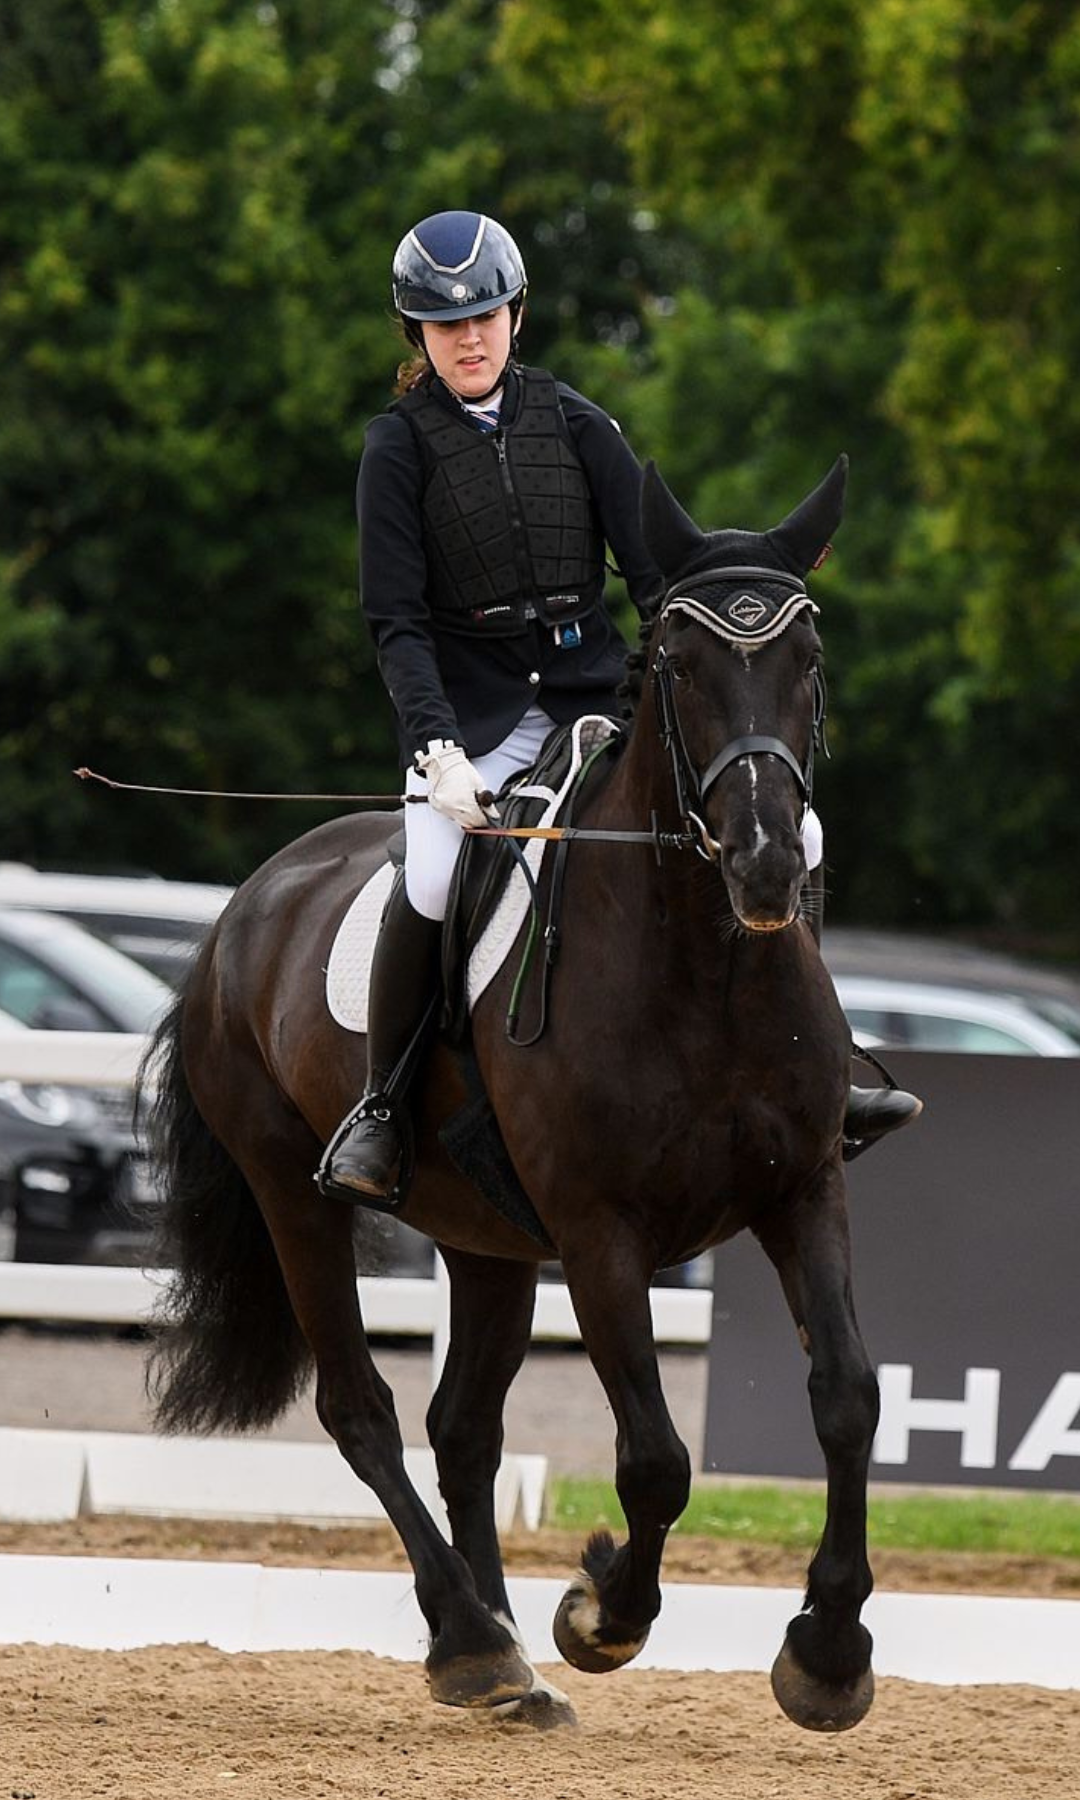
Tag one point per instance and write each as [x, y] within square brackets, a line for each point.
[348, 971]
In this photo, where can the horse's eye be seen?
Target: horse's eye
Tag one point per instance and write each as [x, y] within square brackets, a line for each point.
[678, 668]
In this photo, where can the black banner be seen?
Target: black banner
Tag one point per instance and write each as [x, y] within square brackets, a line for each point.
[966, 1250]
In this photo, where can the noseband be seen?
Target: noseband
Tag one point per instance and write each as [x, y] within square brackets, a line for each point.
[718, 599]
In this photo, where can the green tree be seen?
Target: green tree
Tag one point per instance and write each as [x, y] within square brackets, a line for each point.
[198, 205]
[760, 234]
[189, 330]
[884, 202]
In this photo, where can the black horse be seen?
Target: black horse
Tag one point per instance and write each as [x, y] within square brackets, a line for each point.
[691, 1083]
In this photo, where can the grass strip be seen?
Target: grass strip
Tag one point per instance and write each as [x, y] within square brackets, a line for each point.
[1034, 1525]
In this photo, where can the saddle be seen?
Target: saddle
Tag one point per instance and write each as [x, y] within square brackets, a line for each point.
[485, 864]
[472, 1138]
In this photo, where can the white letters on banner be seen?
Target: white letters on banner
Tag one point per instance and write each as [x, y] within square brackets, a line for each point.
[1053, 1431]
[975, 1417]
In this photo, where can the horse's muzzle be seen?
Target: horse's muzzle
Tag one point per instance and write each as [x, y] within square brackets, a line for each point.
[761, 927]
[765, 884]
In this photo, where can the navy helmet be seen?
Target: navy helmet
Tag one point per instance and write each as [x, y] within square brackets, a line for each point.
[454, 265]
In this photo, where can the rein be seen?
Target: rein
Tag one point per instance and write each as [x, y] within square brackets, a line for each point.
[745, 621]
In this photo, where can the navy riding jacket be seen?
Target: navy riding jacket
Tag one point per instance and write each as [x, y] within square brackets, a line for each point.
[474, 690]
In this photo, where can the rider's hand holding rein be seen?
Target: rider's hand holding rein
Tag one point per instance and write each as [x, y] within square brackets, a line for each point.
[454, 786]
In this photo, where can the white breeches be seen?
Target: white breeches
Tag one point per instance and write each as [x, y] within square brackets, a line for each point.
[432, 842]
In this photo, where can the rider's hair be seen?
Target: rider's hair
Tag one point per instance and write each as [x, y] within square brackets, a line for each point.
[410, 374]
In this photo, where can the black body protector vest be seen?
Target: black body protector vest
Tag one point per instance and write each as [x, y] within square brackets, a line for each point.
[510, 530]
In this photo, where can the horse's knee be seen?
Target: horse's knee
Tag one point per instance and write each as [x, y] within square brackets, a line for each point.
[845, 1405]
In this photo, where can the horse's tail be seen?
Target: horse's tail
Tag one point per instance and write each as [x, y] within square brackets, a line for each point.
[228, 1353]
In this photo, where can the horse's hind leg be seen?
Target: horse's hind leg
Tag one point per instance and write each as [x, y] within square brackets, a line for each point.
[474, 1659]
[822, 1677]
[491, 1306]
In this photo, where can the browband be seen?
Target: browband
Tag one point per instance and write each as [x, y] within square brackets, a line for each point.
[742, 618]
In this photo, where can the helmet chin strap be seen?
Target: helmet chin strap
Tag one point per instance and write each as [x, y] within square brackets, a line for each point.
[478, 399]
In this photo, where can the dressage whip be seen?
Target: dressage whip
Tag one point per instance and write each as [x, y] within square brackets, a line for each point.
[549, 833]
[138, 787]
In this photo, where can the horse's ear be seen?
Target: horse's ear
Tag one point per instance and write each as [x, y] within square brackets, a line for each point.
[802, 538]
[670, 534]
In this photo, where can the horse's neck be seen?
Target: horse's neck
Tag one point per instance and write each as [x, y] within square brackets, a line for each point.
[647, 883]
[639, 790]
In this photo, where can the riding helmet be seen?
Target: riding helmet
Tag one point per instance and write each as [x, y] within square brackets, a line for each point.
[454, 265]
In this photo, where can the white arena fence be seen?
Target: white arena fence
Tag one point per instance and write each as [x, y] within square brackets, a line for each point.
[398, 1306]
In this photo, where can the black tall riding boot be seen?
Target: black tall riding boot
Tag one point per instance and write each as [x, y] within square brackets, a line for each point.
[871, 1112]
[364, 1157]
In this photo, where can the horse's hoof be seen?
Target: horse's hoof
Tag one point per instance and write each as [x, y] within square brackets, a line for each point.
[814, 1704]
[488, 1680]
[544, 1709]
[578, 1634]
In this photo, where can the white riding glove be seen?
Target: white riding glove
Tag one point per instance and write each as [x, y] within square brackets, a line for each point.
[453, 784]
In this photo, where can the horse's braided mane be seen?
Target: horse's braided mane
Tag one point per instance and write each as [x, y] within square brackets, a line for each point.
[632, 685]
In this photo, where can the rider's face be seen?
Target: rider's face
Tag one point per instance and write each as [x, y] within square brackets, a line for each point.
[470, 354]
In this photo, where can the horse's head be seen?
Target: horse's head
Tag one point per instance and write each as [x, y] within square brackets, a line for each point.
[736, 674]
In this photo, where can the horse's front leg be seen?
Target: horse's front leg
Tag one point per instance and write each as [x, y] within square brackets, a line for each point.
[822, 1677]
[491, 1307]
[604, 1617]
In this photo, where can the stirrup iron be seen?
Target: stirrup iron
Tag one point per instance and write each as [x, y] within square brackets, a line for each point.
[386, 1109]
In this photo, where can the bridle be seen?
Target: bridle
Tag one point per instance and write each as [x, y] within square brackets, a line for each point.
[744, 620]
[719, 600]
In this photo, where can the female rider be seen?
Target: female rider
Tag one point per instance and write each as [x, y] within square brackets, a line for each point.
[486, 495]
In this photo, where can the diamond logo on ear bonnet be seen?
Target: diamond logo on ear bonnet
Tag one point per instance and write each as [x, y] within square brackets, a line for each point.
[746, 611]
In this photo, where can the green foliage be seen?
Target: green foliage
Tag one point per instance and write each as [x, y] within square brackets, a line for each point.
[883, 202]
[761, 234]
[186, 327]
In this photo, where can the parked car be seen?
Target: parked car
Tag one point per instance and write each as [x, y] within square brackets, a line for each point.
[54, 976]
[158, 923]
[74, 1184]
[919, 993]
